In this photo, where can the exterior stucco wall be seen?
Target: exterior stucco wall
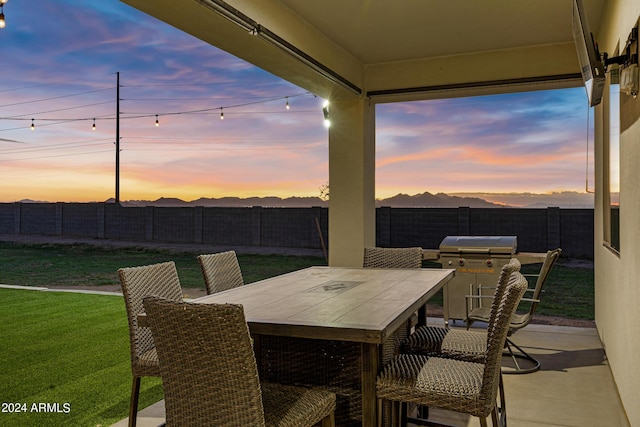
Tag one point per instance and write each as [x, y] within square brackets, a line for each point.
[617, 275]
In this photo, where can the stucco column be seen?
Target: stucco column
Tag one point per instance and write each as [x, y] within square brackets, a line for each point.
[351, 181]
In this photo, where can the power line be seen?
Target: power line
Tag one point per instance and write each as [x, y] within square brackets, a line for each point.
[173, 85]
[61, 146]
[59, 155]
[55, 97]
[55, 111]
[75, 80]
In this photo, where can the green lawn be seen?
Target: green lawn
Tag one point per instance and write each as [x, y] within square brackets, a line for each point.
[70, 351]
[74, 265]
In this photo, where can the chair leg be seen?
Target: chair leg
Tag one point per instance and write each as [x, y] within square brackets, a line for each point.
[483, 422]
[329, 420]
[403, 408]
[133, 404]
[494, 417]
[522, 355]
[502, 410]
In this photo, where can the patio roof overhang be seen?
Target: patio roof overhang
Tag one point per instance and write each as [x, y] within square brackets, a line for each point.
[390, 50]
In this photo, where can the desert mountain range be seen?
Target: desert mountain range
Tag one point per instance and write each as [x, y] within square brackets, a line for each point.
[568, 199]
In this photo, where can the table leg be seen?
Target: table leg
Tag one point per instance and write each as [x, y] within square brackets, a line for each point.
[422, 316]
[370, 367]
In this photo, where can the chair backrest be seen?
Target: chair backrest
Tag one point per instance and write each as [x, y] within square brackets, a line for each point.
[503, 281]
[547, 265]
[221, 271]
[138, 282]
[207, 364]
[392, 257]
[497, 335]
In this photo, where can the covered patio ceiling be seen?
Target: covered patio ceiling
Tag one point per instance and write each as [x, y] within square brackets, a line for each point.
[392, 50]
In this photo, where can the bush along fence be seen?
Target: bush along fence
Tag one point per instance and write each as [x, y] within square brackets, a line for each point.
[537, 229]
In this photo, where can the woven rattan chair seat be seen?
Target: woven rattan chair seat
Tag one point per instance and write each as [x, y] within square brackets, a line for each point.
[519, 319]
[147, 364]
[432, 381]
[460, 344]
[289, 406]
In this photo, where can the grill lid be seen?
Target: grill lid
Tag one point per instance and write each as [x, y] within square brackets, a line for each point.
[505, 245]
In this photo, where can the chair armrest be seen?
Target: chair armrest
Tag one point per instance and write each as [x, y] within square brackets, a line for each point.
[479, 296]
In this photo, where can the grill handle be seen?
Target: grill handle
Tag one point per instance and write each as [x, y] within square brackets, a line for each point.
[474, 250]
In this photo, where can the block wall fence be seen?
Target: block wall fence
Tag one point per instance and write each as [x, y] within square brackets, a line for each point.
[537, 229]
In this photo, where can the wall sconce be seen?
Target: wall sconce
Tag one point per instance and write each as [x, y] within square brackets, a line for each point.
[629, 80]
[325, 112]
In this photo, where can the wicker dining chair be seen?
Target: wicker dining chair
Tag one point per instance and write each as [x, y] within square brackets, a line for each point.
[392, 257]
[221, 271]
[458, 343]
[209, 372]
[520, 320]
[450, 384]
[461, 344]
[138, 282]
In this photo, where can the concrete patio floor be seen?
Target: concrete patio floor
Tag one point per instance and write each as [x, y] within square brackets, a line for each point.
[574, 386]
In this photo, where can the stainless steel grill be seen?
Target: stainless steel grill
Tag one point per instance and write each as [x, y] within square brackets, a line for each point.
[477, 261]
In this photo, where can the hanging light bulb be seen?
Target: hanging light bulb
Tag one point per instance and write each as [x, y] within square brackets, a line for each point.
[33, 126]
[287, 104]
[94, 125]
[221, 114]
[3, 23]
[157, 122]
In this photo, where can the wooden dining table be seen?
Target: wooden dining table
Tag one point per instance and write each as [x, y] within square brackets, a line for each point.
[363, 307]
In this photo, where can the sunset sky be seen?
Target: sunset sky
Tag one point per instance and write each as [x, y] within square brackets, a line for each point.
[59, 64]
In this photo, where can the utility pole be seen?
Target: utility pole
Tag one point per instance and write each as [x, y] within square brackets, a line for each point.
[117, 137]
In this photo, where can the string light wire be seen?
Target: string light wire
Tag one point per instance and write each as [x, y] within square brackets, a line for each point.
[125, 115]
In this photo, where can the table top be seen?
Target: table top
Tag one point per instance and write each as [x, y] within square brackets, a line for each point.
[335, 303]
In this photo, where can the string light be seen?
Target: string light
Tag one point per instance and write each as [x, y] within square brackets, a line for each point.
[157, 121]
[2, 21]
